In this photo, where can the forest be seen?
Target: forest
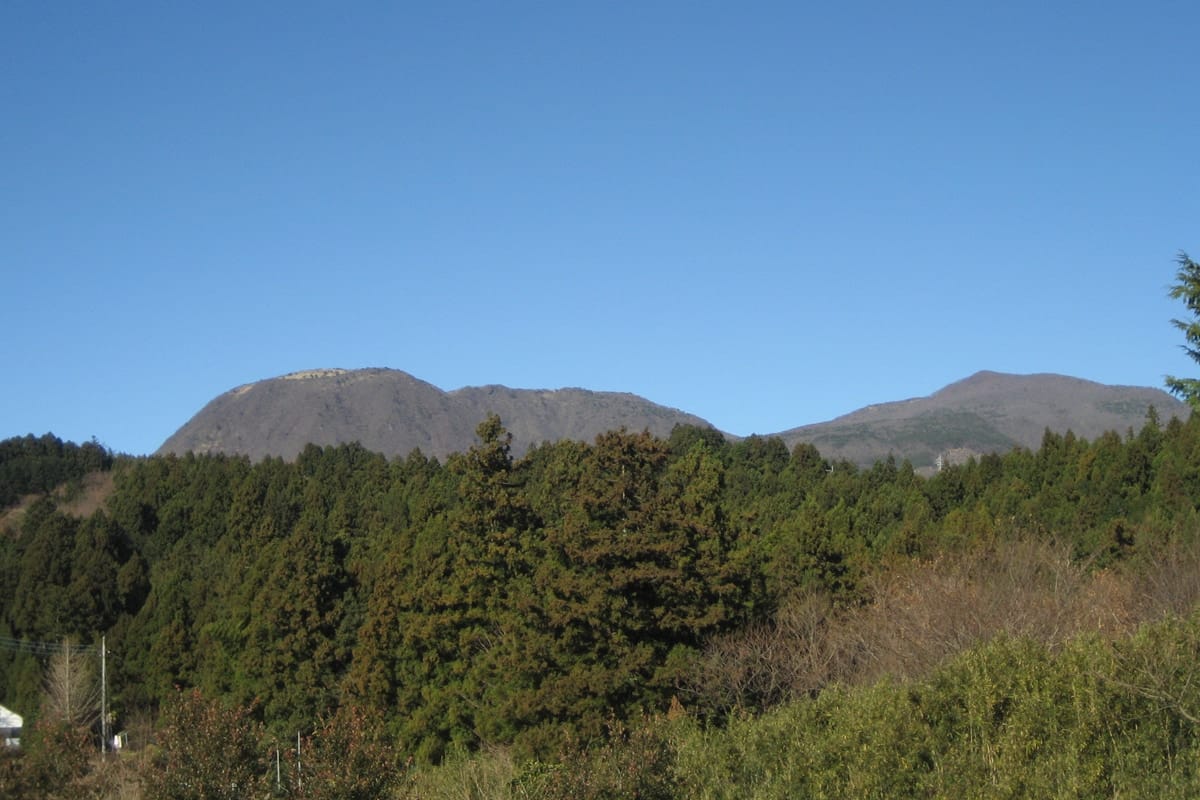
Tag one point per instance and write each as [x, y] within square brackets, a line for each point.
[629, 617]
[584, 594]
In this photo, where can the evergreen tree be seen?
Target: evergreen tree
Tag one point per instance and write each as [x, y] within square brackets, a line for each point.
[1187, 289]
[472, 571]
[290, 656]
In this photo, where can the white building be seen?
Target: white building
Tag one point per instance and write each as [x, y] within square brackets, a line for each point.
[10, 727]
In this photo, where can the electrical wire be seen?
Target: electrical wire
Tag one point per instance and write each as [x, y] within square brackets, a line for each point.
[44, 648]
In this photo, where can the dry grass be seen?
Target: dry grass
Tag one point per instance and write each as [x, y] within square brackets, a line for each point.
[78, 500]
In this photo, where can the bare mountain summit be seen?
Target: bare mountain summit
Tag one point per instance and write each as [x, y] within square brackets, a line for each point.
[392, 412]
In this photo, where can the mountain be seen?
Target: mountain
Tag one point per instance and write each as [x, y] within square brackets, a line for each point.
[987, 412]
[392, 412]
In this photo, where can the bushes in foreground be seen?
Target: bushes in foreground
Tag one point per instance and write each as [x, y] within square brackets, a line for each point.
[60, 762]
[1012, 718]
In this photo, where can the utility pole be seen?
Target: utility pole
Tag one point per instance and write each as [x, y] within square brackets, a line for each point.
[103, 694]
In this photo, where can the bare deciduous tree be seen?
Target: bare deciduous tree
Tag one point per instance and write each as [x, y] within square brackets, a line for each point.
[72, 690]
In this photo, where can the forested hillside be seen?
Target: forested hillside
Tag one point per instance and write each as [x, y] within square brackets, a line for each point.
[532, 602]
[39, 465]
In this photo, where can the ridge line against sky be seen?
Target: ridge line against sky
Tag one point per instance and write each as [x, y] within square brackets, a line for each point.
[764, 214]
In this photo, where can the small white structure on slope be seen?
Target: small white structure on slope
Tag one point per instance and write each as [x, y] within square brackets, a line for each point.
[10, 727]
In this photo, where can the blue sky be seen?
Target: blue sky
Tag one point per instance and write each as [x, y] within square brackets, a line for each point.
[766, 214]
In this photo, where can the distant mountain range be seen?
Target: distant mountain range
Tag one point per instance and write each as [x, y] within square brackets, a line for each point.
[391, 412]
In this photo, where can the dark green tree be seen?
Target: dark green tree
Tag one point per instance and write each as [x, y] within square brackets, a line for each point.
[629, 583]
[469, 571]
[1187, 289]
[291, 655]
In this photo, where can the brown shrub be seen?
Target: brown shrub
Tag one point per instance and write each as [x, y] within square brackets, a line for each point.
[768, 663]
[1166, 579]
[925, 611]
[921, 612]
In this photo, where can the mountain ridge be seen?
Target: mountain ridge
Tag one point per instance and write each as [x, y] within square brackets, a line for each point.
[394, 412]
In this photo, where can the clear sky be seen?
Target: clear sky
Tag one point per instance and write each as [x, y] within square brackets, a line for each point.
[766, 214]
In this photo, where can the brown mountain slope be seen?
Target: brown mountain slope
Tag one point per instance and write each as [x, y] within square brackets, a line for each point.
[392, 412]
[987, 412]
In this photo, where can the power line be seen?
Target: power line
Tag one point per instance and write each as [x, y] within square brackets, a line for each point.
[44, 648]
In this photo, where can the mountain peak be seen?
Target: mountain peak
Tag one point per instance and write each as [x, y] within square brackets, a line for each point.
[392, 412]
[985, 412]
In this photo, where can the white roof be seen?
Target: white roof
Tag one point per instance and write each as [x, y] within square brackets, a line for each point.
[10, 719]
